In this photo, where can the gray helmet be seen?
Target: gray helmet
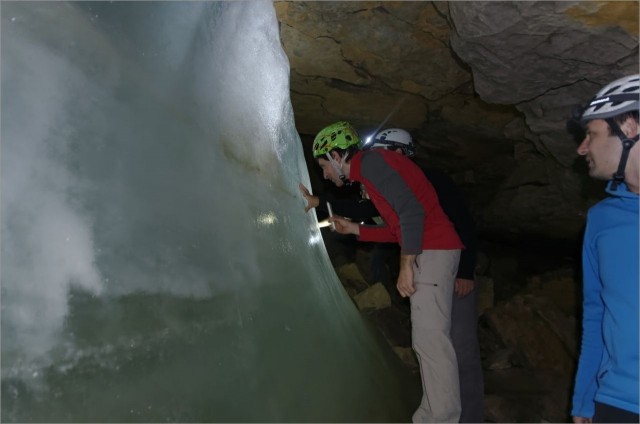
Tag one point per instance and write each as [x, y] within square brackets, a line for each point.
[617, 98]
[614, 99]
[394, 138]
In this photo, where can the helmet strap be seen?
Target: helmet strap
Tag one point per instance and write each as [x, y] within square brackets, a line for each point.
[627, 144]
[338, 166]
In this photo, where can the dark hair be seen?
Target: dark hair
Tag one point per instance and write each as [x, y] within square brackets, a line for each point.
[622, 118]
[574, 125]
[351, 150]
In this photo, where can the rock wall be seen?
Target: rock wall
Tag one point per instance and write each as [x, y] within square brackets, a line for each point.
[484, 87]
[543, 58]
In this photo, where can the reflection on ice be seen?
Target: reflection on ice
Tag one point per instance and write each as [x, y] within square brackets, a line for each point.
[268, 218]
[315, 238]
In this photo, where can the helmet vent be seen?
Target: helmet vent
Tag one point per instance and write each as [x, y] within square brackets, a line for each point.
[339, 135]
[611, 90]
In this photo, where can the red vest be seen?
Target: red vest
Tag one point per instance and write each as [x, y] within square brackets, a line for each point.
[407, 202]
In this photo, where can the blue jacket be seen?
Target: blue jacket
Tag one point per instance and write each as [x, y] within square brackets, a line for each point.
[608, 366]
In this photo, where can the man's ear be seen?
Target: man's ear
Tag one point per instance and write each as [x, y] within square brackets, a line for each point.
[335, 155]
[630, 127]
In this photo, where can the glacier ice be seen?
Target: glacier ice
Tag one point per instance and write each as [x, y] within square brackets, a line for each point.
[157, 264]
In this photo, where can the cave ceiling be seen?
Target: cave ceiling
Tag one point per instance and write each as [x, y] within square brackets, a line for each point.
[485, 89]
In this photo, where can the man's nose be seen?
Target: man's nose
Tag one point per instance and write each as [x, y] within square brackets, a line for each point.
[583, 148]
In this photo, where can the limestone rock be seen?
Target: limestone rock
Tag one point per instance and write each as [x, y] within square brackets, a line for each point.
[408, 356]
[538, 46]
[485, 294]
[545, 56]
[540, 199]
[499, 360]
[484, 87]
[561, 287]
[374, 297]
[366, 61]
[351, 278]
[521, 395]
[521, 327]
[395, 324]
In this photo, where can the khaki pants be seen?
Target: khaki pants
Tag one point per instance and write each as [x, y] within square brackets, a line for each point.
[434, 276]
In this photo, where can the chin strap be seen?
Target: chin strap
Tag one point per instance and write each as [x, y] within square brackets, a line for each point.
[627, 144]
[338, 167]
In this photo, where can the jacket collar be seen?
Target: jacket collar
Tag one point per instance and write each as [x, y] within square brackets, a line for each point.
[622, 191]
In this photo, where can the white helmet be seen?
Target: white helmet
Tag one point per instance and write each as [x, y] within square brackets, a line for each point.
[394, 138]
[614, 99]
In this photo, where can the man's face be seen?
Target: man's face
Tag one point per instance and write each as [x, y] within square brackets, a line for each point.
[329, 172]
[601, 150]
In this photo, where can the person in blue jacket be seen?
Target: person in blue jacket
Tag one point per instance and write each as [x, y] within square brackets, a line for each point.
[606, 385]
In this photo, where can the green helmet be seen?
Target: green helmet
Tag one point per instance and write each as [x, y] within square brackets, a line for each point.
[340, 135]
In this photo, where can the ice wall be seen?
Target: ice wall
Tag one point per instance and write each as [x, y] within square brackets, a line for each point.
[157, 264]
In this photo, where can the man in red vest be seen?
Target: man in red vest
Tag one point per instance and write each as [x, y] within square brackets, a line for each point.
[430, 252]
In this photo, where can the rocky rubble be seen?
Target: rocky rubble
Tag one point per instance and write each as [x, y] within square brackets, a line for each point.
[529, 334]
